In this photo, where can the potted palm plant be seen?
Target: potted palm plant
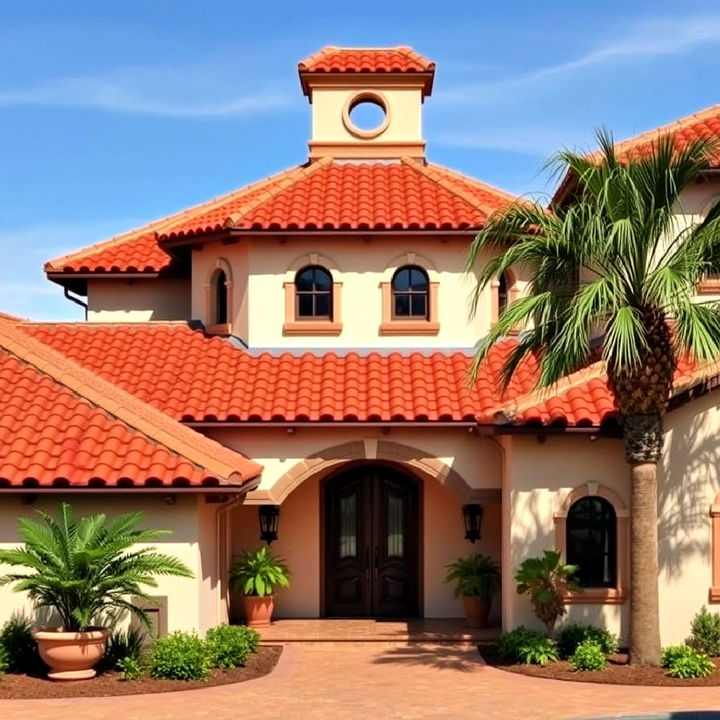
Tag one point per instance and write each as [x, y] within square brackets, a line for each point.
[477, 580]
[85, 570]
[256, 574]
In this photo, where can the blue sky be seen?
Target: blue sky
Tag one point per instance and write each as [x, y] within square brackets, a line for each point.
[122, 111]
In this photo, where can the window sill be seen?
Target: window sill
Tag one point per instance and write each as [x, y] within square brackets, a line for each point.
[218, 329]
[312, 327]
[597, 596]
[714, 595]
[409, 327]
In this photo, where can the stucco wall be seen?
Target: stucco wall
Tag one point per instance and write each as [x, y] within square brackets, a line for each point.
[476, 459]
[540, 476]
[192, 604]
[300, 543]
[261, 266]
[138, 300]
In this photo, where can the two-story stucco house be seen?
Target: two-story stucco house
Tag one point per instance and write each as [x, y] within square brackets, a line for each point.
[303, 343]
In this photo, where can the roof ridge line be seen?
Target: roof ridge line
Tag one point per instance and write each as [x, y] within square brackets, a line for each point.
[436, 176]
[524, 402]
[127, 408]
[437, 167]
[153, 225]
[281, 184]
[667, 128]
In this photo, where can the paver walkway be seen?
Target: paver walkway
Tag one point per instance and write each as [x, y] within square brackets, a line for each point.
[377, 683]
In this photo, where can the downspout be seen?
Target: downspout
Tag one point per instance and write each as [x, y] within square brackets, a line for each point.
[221, 556]
[77, 301]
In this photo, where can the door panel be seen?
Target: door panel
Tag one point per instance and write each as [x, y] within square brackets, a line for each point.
[371, 544]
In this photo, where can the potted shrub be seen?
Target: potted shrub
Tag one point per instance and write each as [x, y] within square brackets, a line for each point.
[546, 579]
[477, 580]
[84, 569]
[256, 574]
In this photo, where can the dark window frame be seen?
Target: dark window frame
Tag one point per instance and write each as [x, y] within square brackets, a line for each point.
[596, 518]
[314, 293]
[410, 293]
[220, 298]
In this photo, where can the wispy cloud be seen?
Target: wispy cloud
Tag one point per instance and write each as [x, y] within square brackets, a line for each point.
[178, 92]
[649, 39]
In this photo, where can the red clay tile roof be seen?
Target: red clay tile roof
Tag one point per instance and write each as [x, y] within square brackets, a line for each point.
[332, 59]
[325, 195]
[63, 426]
[196, 378]
[704, 124]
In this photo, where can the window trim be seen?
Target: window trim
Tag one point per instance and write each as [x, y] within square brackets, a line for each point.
[714, 591]
[512, 294]
[211, 327]
[395, 325]
[603, 595]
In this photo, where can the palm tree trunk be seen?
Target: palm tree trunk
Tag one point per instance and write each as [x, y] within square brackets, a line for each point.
[643, 437]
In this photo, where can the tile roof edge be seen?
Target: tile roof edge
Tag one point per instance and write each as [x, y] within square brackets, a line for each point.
[436, 173]
[305, 64]
[514, 408]
[667, 129]
[156, 425]
[55, 264]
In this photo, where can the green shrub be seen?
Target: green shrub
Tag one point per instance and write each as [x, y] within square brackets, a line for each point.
[231, 645]
[588, 655]
[180, 656]
[546, 579]
[123, 644]
[705, 632]
[683, 661]
[572, 635]
[20, 648]
[131, 668]
[527, 646]
[4, 660]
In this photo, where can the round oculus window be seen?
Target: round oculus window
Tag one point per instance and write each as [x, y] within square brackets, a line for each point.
[366, 115]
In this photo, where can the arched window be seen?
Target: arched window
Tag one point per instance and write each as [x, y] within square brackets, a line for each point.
[502, 292]
[410, 290]
[313, 293]
[591, 541]
[220, 298]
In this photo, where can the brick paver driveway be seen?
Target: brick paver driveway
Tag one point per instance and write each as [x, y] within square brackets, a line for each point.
[377, 682]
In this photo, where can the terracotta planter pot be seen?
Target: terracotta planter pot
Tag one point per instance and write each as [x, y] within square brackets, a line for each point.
[71, 655]
[258, 610]
[477, 611]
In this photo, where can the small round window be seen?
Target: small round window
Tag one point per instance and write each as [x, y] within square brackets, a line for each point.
[366, 115]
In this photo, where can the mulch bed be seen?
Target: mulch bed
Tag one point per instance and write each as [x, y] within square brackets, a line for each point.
[617, 672]
[15, 687]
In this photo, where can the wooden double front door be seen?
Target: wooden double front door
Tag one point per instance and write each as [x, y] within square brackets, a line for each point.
[371, 544]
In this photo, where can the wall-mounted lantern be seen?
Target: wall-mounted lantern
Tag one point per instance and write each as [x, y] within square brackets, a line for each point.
[472, 516]
[269, 516]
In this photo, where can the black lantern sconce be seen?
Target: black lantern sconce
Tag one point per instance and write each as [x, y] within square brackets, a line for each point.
[472, 516]
[269, 516]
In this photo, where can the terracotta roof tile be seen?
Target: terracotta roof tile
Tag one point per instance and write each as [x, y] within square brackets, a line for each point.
[332, 59]
[193, 377]
[61, 425]
[325, 195]
[704, 124]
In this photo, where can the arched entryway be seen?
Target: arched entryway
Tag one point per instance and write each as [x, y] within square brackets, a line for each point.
[372, 543]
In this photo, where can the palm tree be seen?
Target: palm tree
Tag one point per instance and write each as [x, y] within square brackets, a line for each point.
[83, 568]
[613, 277]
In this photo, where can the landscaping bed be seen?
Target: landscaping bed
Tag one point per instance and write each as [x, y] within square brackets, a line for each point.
[617, 671]
[109, 684]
